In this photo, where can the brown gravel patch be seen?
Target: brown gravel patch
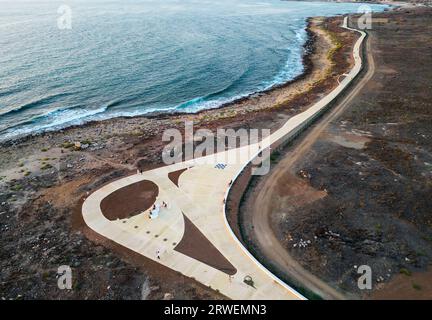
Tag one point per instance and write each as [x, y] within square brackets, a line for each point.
[195, 245]
[175, 175]
[130, 200]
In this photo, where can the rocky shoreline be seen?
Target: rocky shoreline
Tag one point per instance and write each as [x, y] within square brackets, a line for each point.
[307, 66]
[43, 179]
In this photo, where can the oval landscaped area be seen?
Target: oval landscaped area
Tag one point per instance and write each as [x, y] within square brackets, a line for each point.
[129, 201]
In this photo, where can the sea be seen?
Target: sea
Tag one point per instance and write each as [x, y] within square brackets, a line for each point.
[65, 63]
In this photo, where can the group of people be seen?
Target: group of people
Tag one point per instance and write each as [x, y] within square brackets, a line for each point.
[154, 211]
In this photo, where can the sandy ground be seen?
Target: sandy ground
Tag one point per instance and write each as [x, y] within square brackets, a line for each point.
[355, 192]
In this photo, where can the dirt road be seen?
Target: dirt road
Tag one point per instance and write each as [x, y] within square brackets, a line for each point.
[268, 243]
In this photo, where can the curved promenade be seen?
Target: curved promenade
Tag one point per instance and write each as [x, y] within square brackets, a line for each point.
[199, 196]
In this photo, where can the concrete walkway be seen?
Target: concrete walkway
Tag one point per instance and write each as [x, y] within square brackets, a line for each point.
[200, 196]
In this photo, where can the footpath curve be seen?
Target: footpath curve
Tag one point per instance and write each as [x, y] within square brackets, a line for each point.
[264, 237]
[198, 198]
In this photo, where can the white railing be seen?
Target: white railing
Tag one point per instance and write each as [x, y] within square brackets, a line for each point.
[321, 107]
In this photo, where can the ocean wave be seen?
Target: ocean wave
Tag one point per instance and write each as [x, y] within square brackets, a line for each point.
[78, 114]
[35, 103]
[53, 120]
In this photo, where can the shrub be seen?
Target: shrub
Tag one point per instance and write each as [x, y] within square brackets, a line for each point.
[416, 286]
[405, 272]
[17, 187]
[46, 166]
[87, 141]
[67, 145]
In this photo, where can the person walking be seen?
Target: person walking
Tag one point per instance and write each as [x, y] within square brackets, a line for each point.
[158, 254]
